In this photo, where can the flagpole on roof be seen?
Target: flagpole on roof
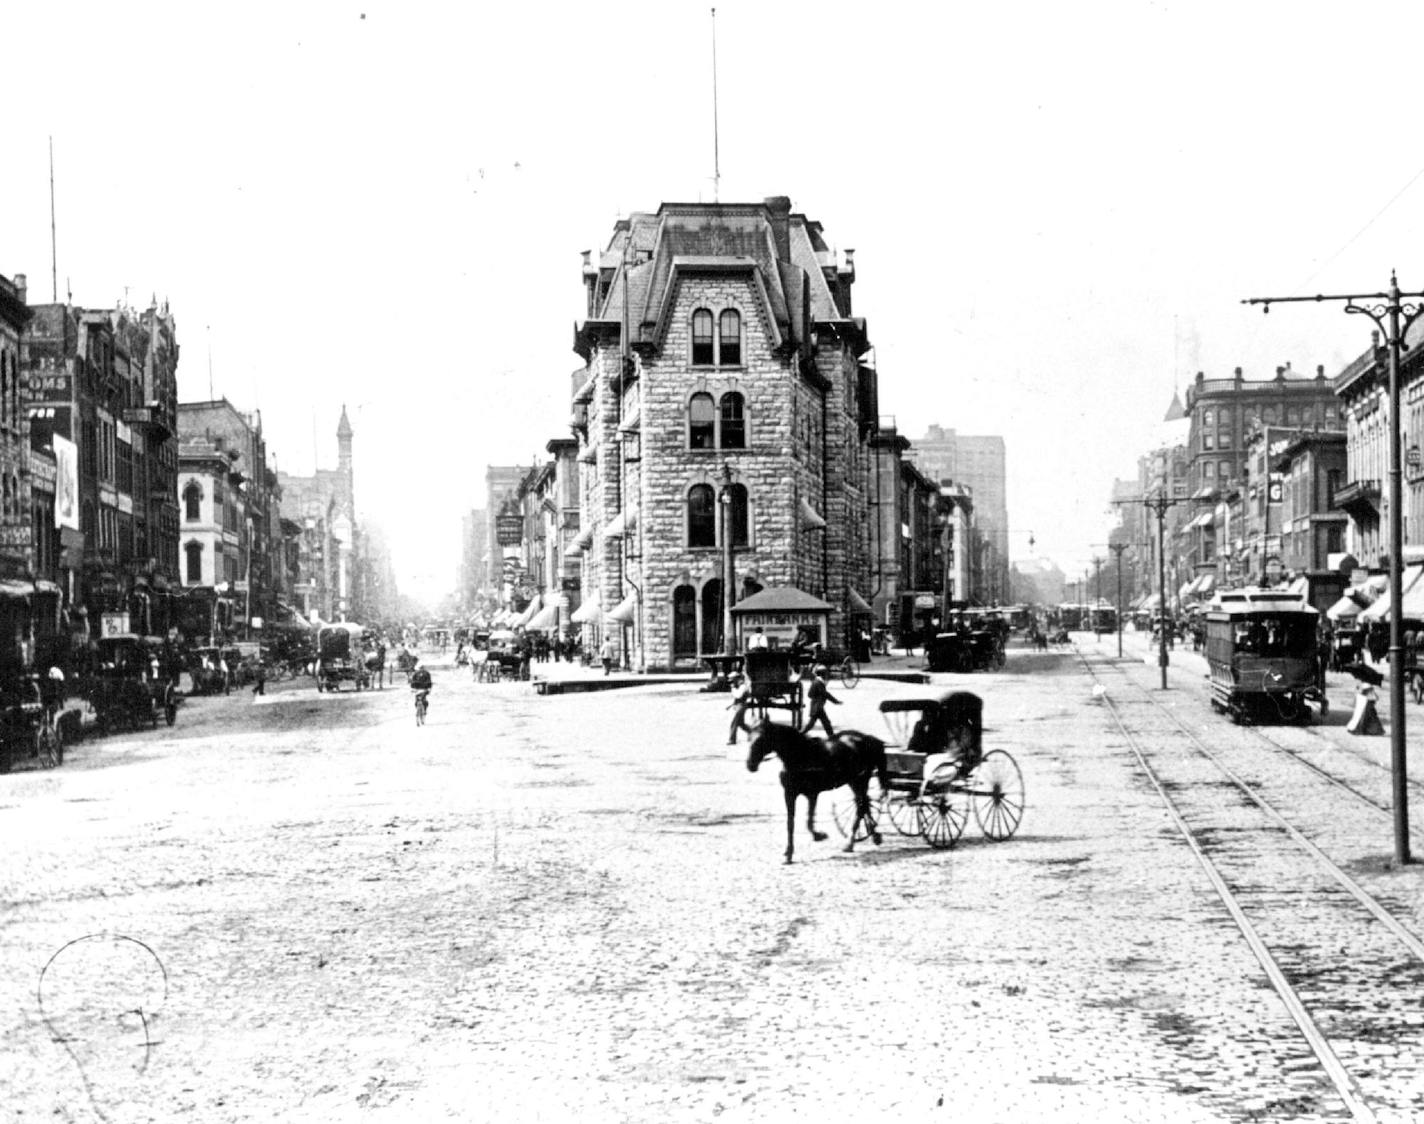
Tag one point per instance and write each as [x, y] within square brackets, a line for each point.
[716, 150]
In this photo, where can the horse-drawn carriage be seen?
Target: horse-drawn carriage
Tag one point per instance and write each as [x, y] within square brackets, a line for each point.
[942, 773]
[129, 686]
[773, 683]
[207, 671]
[966, 649]
[341, 657]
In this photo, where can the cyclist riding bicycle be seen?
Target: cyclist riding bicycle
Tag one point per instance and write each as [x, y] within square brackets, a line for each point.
[420, 684]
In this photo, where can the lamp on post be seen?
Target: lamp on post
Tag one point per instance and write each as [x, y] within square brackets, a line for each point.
[724, 499]
[1393, 317]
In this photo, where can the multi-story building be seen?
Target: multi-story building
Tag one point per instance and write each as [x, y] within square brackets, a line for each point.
[323, 507]
[1311, 469]
[1223, 414]
[474, 561]
[17, 541]
[103, 397]
[248, 553]
[722, 418]
[981, 464]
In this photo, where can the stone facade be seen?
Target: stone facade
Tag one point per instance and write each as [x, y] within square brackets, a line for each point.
[777, 428]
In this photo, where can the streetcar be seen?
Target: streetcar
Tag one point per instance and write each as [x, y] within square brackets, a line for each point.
[1262, 649]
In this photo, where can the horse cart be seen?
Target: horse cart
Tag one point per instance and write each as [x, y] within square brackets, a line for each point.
[341, 657]
[129, 687]
[773, 684]
[942, 774]
[27, 722]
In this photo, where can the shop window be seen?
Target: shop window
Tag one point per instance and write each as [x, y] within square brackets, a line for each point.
[729, 332]
[734, 426]
[701, 516]
[702, 338]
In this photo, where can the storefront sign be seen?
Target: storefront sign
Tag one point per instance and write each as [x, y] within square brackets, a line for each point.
[15, 536]
[66, 470]
[113, 624]
[509, 528]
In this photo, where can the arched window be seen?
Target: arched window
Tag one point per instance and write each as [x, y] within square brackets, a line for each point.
[684, 622]
[737, 514]
[192, 498]
[702, 338]
[701, 422]
[729, 331]
[734, 426]
[194, 551]
[701, 516]
[712, 616]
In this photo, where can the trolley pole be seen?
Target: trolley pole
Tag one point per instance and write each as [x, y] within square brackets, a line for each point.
[1393, 317]
[1117, 548]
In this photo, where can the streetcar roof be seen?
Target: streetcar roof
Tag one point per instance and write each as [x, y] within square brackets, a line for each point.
[1238, 602]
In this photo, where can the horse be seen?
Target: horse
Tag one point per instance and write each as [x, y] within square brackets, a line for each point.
[811, 766]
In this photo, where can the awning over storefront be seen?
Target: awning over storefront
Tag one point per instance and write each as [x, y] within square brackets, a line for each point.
[625, 610]
[858, 604]
[809, 520]
[585, 539]
[529, 610]
[1379, 608]
[622, 523]
[588, 612]
[1346, 609]
[1205, 519]
[545, 618]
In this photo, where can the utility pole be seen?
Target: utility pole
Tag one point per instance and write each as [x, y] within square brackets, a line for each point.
[1393, 317]
[1117, 548]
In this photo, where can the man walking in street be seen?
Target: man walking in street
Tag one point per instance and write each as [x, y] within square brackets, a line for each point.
[740, 701]
[606, 654]
[817, 695]
[261, 674]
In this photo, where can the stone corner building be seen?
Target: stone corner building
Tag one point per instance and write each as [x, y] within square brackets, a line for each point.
[722, 395]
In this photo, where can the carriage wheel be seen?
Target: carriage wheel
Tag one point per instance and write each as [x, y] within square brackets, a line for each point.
[943, 816]
[903, 809]
[998, 791]
[850, 672]
[843, 812]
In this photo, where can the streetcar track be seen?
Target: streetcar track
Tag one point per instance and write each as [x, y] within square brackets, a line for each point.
[1385, 809]
[1206, 846]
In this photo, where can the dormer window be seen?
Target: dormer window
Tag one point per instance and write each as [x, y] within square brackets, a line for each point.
[730, 338]
[702, 338]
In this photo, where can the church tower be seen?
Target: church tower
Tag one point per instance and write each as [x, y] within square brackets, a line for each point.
[346, 495]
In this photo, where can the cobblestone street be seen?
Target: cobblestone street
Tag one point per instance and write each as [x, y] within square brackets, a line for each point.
[574, 907]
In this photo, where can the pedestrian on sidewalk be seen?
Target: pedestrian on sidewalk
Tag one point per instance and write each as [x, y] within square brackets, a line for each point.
[261, 674]
[606, 654]
[817, 696]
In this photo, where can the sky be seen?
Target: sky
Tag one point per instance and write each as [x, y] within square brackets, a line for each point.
[1056, 209]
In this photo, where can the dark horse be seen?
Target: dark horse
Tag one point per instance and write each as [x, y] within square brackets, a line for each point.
[811, 766]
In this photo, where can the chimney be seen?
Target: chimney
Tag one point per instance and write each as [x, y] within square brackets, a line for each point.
[778, 209]
[20, 287]
[590, 281]
[1320, 370]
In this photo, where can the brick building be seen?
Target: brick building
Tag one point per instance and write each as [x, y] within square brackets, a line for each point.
[17, 555]
[103, 387]
[981, 464]
[722, 405]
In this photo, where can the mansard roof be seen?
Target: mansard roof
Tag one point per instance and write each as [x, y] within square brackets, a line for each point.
[648, 253]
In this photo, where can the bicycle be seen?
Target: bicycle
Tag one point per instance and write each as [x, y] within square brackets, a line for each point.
[422, 704]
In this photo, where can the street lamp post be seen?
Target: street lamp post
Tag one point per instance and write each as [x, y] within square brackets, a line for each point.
[1393, 318]
[728, 594]
[1117, 548]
